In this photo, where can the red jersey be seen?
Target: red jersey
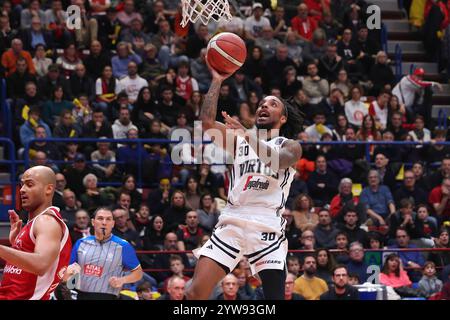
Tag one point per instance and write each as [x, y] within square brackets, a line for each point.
[18, 284]
[304, 28]
[317, 6]
[184, 87]
[435, 197]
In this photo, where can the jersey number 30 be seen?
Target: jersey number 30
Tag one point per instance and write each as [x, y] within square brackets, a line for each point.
[243, 151]
[268, 236]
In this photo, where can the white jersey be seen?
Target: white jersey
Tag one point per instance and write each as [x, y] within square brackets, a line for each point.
[252, 184]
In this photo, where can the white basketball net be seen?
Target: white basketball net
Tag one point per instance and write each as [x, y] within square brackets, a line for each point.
[205, 10]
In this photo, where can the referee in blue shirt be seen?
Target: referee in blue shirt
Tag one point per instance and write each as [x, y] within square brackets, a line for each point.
[101, 261]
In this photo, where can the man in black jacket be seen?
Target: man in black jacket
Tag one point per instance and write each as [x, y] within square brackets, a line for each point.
[241, 86]
[325, 232]
[168, 107]
[16, 81]
[386, 171]
[350, 52]
[322, 183]
[405, 218]
[352, 229]
[81, 228]
[330, 64]
[7, 34]
[58, 200]
[196, 42]
[436, 178]
[96, 61]
[394, 153]
[158, 200]
[368, 48]
[332, 106]
[352, 152]
[409, 190]
[226, 103]
[275, 67]
[341, 289]
[98, 126]
[81, 83]
[75, 173]
[49, 148]
[395, 125]
[53, 79]
[122, 230]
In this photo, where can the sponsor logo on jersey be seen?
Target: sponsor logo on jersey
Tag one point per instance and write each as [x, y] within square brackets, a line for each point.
[93, 270]
[257, 184]
[12, 270]
[268, 262]
[256, 166]
[18, 244]
[209, 247]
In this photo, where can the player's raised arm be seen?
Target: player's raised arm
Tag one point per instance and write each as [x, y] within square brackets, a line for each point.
[48, 233]
[209, 107]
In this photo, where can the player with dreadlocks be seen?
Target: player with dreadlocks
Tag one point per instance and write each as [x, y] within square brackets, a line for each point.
[251, 224]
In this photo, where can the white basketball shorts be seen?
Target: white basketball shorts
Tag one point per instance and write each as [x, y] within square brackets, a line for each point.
[238, 233]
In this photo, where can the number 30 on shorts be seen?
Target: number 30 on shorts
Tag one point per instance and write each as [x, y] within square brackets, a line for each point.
[268, 236]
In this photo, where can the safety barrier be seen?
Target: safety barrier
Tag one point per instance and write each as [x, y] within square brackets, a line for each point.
[7, 204]
[398, 63]
[442, 119]
[384, 37]
[5, 110]
[139, 143]
[13, 163]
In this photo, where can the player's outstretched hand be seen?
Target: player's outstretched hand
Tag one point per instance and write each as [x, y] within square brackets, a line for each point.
[216, 75]
[232, 123]
[116, 282]
[15, 225]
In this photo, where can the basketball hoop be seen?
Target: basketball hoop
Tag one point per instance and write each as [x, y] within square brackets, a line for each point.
[205, 10]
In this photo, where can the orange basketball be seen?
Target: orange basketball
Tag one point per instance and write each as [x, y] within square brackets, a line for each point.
[226, 52]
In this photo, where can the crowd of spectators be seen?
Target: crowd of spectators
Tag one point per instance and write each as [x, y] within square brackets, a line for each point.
[131, 71]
